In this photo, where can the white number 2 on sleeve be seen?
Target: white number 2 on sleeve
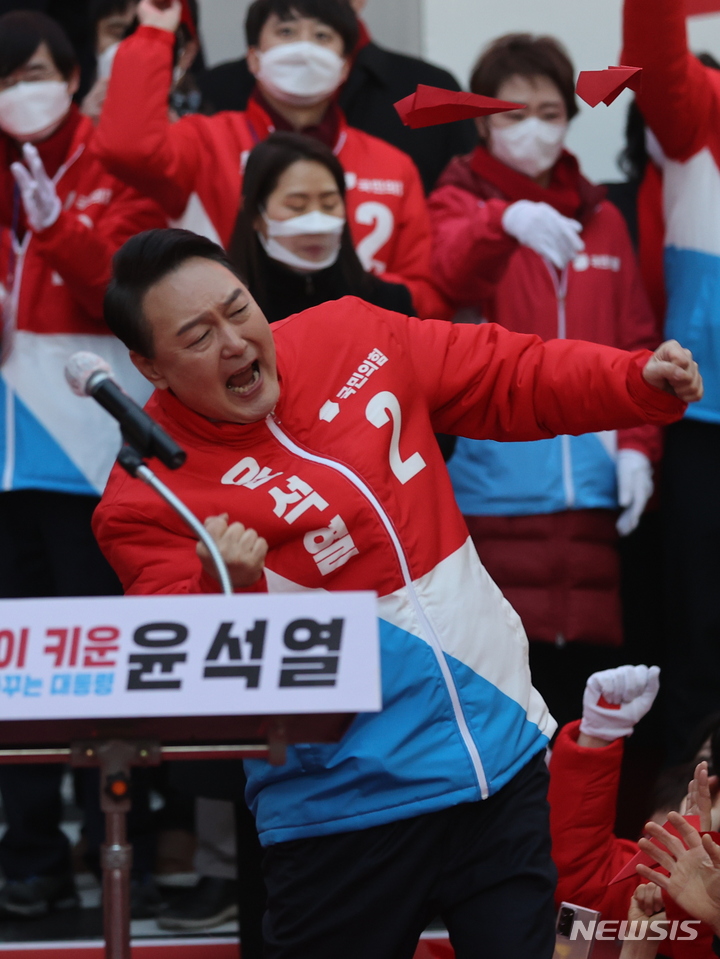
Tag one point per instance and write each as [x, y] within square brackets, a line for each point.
[377, 413]
[381, 218]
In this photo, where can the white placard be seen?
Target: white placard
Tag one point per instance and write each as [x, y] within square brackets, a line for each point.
[137, 656]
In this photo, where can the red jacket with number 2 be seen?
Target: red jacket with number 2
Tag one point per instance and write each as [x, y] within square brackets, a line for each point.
[346, 483]
[194, 168]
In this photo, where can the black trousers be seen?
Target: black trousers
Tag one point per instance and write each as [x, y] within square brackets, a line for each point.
[691, 512]
[226, 780]
[483, 867]
[46, 549]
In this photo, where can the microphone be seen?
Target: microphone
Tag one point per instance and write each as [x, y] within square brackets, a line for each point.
[89, 375]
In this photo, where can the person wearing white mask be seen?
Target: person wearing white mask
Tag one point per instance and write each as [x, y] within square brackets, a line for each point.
[62, 217]
[300, 52]
[523, 239]
[291, 241]
[110, 21]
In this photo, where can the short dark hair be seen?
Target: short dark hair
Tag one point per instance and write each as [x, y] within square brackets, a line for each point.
[22, 32]
[138, 265]
[337, 14]
[100, 9]
[265, 165]
[522, 54]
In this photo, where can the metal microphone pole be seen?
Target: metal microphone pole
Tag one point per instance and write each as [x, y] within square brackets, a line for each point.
[116, 757]
[133, 463]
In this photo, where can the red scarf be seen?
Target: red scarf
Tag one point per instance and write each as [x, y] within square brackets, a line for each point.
[53, 152]
[327, 131]
[569, 192]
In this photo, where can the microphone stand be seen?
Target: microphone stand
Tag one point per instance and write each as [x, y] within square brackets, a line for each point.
[115, 758]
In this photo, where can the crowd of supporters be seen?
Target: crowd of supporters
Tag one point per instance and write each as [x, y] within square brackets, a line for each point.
[296, 162]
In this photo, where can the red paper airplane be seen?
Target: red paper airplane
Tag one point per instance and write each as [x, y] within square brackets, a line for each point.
[604, 86]
[429, 106]
[643, 858]
[695, 8]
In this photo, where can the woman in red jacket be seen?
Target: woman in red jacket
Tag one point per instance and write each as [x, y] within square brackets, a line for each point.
[523, 239]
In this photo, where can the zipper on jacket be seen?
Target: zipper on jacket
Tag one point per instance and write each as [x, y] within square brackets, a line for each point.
[561, 286]
[425, 625]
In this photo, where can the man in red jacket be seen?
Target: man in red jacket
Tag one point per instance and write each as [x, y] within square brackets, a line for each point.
[300, 54]
[311, 454]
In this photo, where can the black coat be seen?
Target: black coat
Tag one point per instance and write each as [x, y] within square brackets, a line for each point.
[285, 292]
[377, 80]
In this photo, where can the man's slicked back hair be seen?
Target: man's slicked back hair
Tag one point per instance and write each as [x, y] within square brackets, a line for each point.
[337, 14]
[138, 265]
[22, 32]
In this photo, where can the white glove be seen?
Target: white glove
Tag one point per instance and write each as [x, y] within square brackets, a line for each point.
[543, 229]
[616, 699]
[635, 487]
[40, 199]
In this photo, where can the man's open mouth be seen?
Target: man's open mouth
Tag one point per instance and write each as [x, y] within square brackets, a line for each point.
[242, 382]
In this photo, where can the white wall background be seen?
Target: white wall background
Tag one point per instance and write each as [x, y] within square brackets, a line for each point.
[452, 33]
[395, 22]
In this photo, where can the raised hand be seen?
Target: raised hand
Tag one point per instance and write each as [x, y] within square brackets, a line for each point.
[694, 880]
[163, 14]
[616, 699]
[39, 196]
[698, 801]
[673, 369]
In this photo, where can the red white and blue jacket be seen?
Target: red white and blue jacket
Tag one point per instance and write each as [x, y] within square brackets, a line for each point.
[346, 482]
[53, 284]
[194, 168]
[680, 100]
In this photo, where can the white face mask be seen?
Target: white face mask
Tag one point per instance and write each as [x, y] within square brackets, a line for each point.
[300, 74]
[28, 109]
[530, 147]
[309, 224]
[105, 61]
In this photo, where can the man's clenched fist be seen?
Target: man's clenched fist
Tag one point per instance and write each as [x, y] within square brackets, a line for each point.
[673, 369]
[242, 549]
[163, 14]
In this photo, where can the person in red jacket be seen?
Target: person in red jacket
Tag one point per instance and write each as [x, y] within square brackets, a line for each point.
[62, 216]
[300, 54]
[312, 458]
[584, 779]
[521, 238]
[680, 100]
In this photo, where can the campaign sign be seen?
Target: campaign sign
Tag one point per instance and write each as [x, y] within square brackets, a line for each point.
[138, 656]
